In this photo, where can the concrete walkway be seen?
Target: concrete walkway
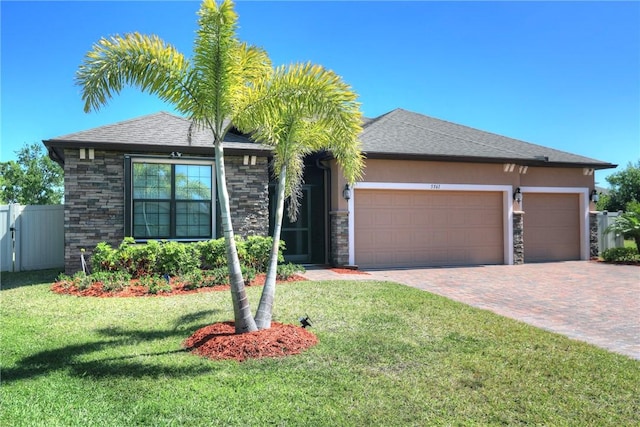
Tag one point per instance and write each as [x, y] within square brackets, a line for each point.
[588, 301]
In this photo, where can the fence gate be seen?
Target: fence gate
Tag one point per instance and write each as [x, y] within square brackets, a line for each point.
[32, 237]
[608, 240]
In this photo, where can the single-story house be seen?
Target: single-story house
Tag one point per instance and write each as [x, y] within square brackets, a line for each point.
[434, 193]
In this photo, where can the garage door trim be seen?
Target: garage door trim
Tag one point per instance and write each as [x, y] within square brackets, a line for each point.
[507, 206]
[583, 193]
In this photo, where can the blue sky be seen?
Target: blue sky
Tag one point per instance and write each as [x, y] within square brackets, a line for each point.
[560, 74]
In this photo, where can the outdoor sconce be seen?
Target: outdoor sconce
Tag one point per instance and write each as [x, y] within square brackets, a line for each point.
[594, 196]
[346, 193]
[517, 196]
[305, 321]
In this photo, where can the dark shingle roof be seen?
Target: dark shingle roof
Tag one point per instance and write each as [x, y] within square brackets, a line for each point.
[159, 132]
[397, 134]
[404, 134]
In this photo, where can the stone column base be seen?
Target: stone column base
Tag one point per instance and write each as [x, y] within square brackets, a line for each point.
[518, 237]
[339, 255]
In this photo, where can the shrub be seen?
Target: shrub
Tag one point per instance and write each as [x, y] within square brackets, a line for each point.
[104, 258]
[176, 258]
[155, 284]
[80, 280]
[182, 259]
[218, 276]
[138, 259]
[213, 254]
[248, 274]
[258, 250]
[285, 271]
[111, 281]
[241, 248]
[144, 258]
[620, 255]
[193, 279]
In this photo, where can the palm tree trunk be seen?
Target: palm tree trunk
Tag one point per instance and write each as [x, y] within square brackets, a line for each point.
[265, 308]
[243, 318]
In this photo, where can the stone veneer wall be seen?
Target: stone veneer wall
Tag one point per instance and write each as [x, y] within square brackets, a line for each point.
[339, 238]
[594, 249]
[93, 204]
[94, 201]
[518, 238]
[249, 193]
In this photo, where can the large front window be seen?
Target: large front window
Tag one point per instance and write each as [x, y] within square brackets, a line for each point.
[171, 200]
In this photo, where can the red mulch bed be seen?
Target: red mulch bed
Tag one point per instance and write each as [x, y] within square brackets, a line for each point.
[133, 290]
[347, 271]
[219, 341]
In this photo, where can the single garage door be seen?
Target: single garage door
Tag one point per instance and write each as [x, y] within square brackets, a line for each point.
[408, 228]
[551, 227]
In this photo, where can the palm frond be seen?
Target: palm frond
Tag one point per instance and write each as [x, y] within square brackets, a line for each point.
[136, 60]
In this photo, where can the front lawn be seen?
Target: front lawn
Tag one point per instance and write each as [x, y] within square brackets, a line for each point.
[387, 355]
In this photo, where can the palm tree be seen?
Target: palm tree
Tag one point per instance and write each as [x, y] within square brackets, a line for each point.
[208, 90]
[301, 109]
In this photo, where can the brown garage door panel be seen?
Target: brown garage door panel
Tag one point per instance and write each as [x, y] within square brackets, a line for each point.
[425, 228]
[551, 227]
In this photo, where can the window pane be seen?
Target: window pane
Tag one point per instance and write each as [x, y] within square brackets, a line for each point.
[193, 182]
[151, 219]
[151, 181]
[193, 219]
[171, 200]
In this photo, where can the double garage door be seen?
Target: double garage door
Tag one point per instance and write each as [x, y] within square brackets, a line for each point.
[405, 228]
[409, 228]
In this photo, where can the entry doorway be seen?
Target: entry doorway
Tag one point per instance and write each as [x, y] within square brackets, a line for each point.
[305, 238]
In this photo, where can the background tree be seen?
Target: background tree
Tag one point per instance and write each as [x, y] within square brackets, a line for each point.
[302, 109]
[208, 90]
[625, 188]
[32, 179]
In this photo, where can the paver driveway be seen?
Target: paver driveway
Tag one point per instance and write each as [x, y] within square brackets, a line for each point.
[589, 301]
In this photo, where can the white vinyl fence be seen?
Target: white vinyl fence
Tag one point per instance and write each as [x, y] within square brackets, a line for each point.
[608, 240]
[32, 237]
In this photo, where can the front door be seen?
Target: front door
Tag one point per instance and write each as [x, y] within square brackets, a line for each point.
[296, 234]
[304, 238]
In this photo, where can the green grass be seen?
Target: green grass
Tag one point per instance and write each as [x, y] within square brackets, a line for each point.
[388, 355]
[629, 243]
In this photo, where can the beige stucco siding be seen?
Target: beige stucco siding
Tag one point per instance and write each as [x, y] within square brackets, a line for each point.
[420, 171]
[555, 177]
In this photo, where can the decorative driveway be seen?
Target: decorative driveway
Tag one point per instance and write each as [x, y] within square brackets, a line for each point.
[584, 300]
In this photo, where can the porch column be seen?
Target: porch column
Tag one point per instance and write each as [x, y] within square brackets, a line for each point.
[339, 255]
[518, 237]
[594, 251]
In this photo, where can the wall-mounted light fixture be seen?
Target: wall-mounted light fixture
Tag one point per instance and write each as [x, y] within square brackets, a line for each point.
[517, 195]
[594, 196]
[346, 193]
[175, 154]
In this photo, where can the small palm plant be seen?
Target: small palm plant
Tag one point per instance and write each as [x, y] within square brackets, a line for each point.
[628, 224]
